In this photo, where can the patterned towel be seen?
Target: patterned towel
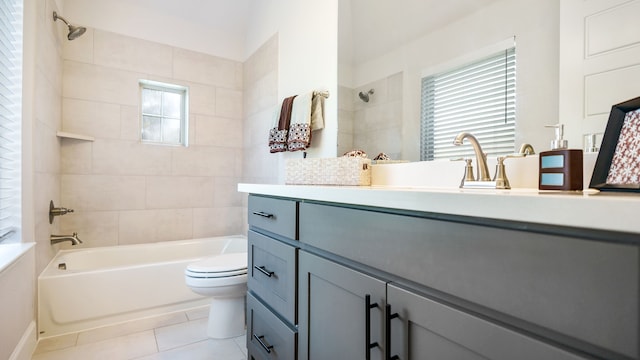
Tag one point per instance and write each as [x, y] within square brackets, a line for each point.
[279, 131]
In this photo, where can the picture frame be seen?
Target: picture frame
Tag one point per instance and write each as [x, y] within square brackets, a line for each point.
[617, 167]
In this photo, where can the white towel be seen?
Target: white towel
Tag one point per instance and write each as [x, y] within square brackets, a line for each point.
[317, 112]
[300, 127]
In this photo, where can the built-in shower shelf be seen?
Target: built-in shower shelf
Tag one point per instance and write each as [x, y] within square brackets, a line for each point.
[68, 135]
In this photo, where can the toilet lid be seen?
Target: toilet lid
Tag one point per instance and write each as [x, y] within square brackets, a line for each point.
[225, 263]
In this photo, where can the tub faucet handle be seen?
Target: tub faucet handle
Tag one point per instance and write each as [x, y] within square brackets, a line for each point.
[57, 211]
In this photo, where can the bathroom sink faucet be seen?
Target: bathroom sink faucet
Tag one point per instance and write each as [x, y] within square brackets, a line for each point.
[481, 159]
[55, 239]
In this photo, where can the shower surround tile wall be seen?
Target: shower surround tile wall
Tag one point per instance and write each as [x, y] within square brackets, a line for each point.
[125, 192]
[47, 110]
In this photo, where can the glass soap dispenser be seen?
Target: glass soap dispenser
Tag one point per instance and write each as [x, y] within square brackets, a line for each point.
[560, 168]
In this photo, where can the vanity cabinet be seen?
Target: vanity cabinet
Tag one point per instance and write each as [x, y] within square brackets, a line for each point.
[272, 278]
[468, 287]
[343, 281]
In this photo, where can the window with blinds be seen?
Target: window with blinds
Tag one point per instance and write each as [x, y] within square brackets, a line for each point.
[10, 118]
[479, 98]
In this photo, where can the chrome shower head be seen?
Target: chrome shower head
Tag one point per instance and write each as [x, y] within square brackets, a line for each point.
[74, 31]
[365, 96]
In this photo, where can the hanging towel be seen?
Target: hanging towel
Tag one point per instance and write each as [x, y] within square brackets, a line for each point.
[300, 129]
[280, 129]
[317, 111]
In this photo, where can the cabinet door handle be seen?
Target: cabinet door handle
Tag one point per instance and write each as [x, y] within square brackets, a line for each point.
[367, 321]
[264, 346]
[263, 214]
[387, 327]
[264, 270]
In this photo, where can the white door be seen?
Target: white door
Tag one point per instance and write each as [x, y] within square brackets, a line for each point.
[599, 63]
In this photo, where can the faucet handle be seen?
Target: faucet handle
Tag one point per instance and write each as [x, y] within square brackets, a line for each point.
[468, 170]
[501, 173]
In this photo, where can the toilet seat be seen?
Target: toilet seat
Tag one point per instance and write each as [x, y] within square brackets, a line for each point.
[220, 266]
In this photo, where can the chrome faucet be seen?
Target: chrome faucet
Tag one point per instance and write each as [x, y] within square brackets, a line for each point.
[481, 158]
[55, 239]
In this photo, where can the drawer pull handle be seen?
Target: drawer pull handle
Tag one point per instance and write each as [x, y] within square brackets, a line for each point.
[263, 214]
[264, 270]
[264, 346]
[367, 318]
[387, 324]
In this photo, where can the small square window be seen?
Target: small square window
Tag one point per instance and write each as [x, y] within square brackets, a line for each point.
[164, 113]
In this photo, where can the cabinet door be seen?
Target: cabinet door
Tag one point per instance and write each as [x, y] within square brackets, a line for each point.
[423, 329]
[333, 311]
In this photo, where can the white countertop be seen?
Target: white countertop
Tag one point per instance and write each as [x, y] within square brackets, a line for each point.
[589, 209]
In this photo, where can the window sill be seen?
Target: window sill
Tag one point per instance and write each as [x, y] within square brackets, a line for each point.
[9, 253]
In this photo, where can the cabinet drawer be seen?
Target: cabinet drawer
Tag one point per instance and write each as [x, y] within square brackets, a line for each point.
[267, 336]
[274, 215]
[272, 273]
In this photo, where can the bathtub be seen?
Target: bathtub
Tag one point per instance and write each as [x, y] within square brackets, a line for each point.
[89, 288]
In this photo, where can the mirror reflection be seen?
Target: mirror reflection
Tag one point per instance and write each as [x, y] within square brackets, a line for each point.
[387, 49]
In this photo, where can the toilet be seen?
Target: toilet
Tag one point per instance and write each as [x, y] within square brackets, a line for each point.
[224, 279]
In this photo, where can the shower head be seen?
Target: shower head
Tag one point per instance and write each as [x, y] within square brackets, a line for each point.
[365, 96]
[74, 31]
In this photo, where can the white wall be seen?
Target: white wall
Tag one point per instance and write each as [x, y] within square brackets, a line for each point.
[193, 25]
[307, 59]
[535, 25]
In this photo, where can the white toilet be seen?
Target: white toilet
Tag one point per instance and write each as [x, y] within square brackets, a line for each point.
[224, 278]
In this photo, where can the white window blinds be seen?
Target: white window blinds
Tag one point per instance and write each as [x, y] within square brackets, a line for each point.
[479, 98]
[10, 118]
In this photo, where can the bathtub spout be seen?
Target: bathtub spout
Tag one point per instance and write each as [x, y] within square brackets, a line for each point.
[55, 239]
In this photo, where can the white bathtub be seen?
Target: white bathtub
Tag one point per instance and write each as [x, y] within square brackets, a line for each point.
[88, 288]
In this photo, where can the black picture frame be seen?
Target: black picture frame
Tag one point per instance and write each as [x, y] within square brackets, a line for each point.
[608, 148]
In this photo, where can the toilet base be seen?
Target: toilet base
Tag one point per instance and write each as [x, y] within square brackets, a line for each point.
[226, 318]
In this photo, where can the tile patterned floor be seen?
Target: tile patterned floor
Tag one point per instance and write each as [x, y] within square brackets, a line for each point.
[170, 337]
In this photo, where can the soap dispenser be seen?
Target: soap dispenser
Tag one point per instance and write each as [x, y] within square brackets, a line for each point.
[560, 168]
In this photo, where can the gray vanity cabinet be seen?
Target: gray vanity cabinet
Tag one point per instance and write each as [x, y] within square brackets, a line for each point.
[341, 311]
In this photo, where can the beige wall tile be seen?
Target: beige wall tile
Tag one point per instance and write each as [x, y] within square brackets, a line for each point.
[145, 226]
[206, 69]
[204, 161]
[91, 118]
[94, 228]
[202, 99]
[229, 103]
[217, 221]
[102, 192]
[76, 156]
[99, 83]
[226, 192]
[130, 123]
[175, 192]
[216, 131]
[46, 149]
[80, 49]
[47, 104]
[131, 54]
[120, 157]
[46, 188]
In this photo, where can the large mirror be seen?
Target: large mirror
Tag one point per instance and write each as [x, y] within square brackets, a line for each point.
[385, 49]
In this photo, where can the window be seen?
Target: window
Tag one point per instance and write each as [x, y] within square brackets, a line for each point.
[10, 120]
[479, 98]
[164, 113]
